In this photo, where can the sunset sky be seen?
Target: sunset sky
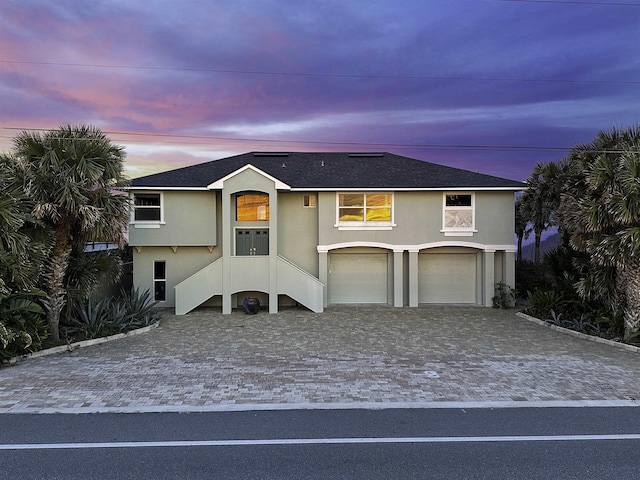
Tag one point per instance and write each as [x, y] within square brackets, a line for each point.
[488, 85]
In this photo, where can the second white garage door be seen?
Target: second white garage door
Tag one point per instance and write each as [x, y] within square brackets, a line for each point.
[358, 278]
[447, 278]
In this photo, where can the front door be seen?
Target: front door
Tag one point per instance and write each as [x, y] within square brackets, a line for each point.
[252, 241]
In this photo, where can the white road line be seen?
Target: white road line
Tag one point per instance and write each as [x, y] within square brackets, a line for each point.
[317, 441]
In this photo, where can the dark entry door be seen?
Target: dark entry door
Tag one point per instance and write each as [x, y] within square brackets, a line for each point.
[252, 241]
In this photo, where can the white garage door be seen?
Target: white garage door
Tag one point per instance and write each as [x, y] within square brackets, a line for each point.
[358, 278]
[447, 278]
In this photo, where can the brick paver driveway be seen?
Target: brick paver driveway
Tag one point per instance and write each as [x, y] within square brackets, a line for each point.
[346, 355]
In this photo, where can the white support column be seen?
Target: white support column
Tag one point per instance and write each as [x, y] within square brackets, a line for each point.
[509, 268]
[273, 252]
[489, 277]
[227, 249]
[323, 271]
[397, 278]
[413, 278]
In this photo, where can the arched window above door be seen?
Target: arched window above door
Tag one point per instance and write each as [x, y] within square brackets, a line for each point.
[252, 207]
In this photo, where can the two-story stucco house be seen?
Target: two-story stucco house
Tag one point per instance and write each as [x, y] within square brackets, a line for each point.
[316, 229]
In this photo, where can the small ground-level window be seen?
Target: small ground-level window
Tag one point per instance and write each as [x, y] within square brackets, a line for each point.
[160, 280]
[309, 201]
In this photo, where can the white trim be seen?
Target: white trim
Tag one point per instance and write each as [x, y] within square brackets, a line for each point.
[200, 189]
[151, 223]
[219, 184]
[364, 227]
[418, 247]
[360, 189]
[147, 225]
[335, 246]
[410, 189]
[459, 231]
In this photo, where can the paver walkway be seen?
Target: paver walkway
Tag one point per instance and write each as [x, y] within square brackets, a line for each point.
[345, 355]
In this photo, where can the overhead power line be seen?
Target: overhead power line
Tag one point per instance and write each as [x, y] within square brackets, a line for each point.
[320, 75]
[195, 140]
[575, 2]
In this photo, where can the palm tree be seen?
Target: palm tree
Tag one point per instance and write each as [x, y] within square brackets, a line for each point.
[521, 224]
[541, 199]
[70, 175]
[600, 208]
[22, 248]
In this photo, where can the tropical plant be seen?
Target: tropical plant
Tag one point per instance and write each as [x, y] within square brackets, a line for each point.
[99, 317]
[94, 318]
[541, 199]
[540, 303]
[91, 272]
[505, 296]
[140, 307]
[600, 208]
[71, 175]
[23, 328]
[522, 229]
[22, 247]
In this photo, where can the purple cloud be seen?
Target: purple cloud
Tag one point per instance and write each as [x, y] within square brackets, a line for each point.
[408, 77]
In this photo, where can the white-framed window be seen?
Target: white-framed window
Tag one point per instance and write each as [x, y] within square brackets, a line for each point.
[372, 210]
[309, 201]
[147, 208]
[458, 214]
[160, 280]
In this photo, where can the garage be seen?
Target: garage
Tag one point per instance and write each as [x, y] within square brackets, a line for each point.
[447, 277]
[358, 277]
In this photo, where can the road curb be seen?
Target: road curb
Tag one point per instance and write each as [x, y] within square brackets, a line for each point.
[84, 343]
[265, 407]
[584, 336]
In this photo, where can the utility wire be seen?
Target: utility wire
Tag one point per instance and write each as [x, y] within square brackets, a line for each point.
[321, 75]
[611, 4]
[211, 140]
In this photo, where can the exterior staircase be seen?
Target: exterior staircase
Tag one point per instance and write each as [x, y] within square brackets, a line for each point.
[249, 273]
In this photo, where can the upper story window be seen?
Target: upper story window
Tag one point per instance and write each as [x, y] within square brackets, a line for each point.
[252, 207]
[365, 210]
[459, 214]
[147, 207]
[309, 201]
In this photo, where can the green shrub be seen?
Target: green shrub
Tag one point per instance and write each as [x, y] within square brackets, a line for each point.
[95, 318]
[505, 296]
[141, 308]
[541, 303]
[23, 327]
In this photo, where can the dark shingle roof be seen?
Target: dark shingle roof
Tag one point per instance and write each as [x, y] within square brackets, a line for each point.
[329, 170]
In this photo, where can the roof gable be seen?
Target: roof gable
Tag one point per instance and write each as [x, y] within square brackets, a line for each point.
[219, 184]
[330, 171]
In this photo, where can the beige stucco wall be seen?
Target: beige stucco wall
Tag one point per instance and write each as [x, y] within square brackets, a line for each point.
[418, 220]
[180, 265]
[298, 231]
[189, 219]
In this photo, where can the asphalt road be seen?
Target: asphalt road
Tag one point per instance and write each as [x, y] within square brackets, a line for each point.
[511, 443]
